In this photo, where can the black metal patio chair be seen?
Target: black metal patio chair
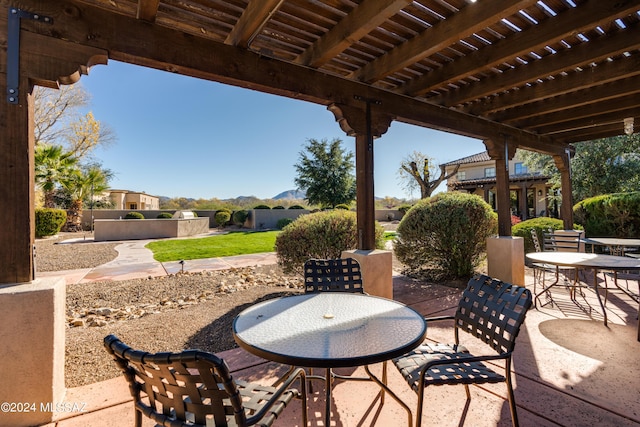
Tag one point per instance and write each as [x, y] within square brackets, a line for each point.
[489, 310]
[333, 275]
[195, 388]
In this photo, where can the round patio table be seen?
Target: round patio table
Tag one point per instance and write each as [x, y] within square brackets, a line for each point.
[616, 246]
[331, 330]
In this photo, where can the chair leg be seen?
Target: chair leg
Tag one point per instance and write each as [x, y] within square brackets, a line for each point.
[420, 405]
[511, 395]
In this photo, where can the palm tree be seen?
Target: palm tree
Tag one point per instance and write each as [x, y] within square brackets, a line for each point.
[83, 182]
[52, 165]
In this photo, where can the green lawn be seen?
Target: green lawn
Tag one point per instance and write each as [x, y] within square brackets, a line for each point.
[234, 243]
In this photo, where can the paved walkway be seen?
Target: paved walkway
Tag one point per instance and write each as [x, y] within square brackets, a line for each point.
[134, 261]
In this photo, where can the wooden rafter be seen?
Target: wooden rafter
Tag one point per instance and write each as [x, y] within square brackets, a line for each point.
[251, 22]
[470, 19]
[552, 30]
[361, 21]
[147, 10]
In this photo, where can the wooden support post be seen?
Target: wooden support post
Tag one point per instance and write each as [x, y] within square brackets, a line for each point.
[17, 215]
[501, 153]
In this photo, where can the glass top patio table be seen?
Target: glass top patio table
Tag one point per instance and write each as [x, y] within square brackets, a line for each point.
[329, 329]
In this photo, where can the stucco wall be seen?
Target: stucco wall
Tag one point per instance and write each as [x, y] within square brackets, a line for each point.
[135, 229]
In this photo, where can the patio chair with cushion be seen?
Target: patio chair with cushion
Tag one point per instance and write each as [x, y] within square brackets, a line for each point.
[195, 388]
[332, 275]
[490, 310]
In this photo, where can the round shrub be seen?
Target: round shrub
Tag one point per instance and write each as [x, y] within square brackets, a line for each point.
[134, 215]
[523, 229]
[239, 217]
[342, 206]
[283, 222]
[404, 209]
[610, 215]
[296, 207]
[278, 207]
[262, 207]
[222, 217]
[49, 221]
[163, 215]
[319, 235]
[445, 236]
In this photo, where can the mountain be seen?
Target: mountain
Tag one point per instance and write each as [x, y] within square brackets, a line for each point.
[290, 195]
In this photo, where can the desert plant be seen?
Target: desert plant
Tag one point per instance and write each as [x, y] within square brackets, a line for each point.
[445, 236]
[610, 215]
[319, 235]
[134, 215]
[162, 215]
[222, 217]
[49, 221]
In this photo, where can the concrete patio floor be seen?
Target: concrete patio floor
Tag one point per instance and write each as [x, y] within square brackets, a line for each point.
[570, 370]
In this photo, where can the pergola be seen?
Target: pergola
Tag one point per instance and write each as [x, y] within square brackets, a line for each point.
[531, 74]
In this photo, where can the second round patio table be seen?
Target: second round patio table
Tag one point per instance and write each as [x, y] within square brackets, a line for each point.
[331, 330]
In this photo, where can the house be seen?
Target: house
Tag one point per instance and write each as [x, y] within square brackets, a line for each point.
[124, 199]
[529, 192]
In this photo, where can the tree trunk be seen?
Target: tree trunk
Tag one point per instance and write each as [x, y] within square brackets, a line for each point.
[74, 215]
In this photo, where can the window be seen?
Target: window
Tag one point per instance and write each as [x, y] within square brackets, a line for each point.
[520, 169]
[461, 176]
[133, 206]
[489, 172]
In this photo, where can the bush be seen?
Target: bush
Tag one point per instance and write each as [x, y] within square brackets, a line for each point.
[162, 215]
[523, 229]
[283, 222]
[445, 236]
[262, 207]
[319, 235]
[278, 207]
[239, 217]
[342, 206]
[222, 217]
[296, 207]
[610, 215]
[49, 221]
[134, 215]
[404, 209]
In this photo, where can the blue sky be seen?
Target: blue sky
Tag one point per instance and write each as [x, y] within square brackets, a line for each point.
[184, 137]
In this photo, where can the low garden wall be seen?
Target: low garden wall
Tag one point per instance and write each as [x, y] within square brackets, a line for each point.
[135, 229]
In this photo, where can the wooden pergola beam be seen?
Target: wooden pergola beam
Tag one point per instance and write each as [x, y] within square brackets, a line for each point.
[130, 40]
[251, 22]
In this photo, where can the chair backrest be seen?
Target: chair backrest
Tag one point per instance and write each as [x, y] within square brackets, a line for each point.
[176, 388]
[536, 240]
[492, 311]
[332, 275]
[563, 241]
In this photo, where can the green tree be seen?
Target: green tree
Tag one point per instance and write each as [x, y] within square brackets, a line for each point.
[325, 172]
[414, 177]
[616, 160]
[53, 164]
[83, 182]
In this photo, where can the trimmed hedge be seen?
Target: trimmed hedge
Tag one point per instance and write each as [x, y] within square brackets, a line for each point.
[222, 217]
[239, 217]
[164, 215]
[610, 215]
[283, 222]
[49, 221]
[134, 215]
[445, 236]
[319, 235]
[523, 229]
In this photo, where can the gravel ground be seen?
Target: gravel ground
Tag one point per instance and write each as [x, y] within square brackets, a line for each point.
[50, 256]
[160, 314]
